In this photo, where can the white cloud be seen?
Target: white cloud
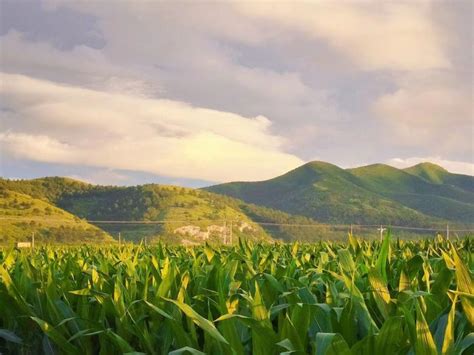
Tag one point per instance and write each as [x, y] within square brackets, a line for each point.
[459, 167]
[431, 110]
[385, 35]
[102, 177]
[54, 123]
[81, 65]
[309, 66]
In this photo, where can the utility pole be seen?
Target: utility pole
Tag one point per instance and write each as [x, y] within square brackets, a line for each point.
[351, 229]
[447, 231]
[33, 240]
[224, 232]
[381, 229]
[120, 239]
[230, 232]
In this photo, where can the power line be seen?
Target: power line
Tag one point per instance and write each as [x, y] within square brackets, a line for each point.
[314, 225]
[300, 225]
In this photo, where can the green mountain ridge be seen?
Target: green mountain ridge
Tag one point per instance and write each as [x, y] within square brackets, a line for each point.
[436, 199]
[184, 215]
[422, 195]
[437, 175]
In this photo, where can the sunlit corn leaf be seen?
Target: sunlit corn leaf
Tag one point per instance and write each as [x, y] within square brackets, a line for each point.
[465, 285]
[425, 344]
[199, 320]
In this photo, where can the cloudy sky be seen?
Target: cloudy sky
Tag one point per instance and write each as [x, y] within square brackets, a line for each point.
[192, 93]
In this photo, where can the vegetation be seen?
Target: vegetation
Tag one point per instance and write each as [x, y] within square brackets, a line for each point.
[425, 195]
[325, 298]
[287, 227]
[23, 215]
[377, 194]
[175, 206]
[49, 189]
[438, 175]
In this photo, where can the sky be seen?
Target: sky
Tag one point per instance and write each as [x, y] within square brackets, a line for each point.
[196, 93]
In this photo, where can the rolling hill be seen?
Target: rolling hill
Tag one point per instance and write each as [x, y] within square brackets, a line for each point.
[188, 216]
[23, 215]
[435, 174]
[57, 208]
[427, 193]
[376, 194]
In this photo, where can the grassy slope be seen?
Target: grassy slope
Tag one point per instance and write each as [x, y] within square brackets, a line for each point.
[437, 175]
[48, 189]
[142, 203]
[317, 190]
[175, 205]
[426, 193]
[23, 215]
[324, 192]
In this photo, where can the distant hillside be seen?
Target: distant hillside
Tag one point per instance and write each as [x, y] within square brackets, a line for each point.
[437, 175]
[421, 195]
[49, 189]
[190, 216]
[427, 193]
[316, 192]
[23, 215]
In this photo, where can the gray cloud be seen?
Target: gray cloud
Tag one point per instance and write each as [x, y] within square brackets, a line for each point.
[62, 27]
[348, 94]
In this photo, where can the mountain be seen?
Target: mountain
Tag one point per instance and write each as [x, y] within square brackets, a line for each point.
[437, 175]
[57, 209]
[376, 194]
[428, 191]
[430, 172]
[23, 215]
[185, 215]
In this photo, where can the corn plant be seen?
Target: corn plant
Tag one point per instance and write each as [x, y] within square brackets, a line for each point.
[359, 297]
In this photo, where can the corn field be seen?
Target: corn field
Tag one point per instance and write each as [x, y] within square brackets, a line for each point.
[360, 297]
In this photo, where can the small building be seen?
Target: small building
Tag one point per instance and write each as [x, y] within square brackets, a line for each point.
[23, 244]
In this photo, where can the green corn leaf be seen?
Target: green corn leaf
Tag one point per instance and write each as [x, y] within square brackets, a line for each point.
[448, 343]
[363, 314]
[380, 292]
[13, 291]
[465, 285]
[290, 332]
[425, 344]
[381, 264]
[466, 344]
[209, 253]
[273, 282]
[10, 336]
[199, 320]
[390, 337]
[288, 346]
[158, 310]
[259, 311]
[353, 242]
[186, 350]
[120, 342]
[56, 336]
[330, 344]
[345, 260]
[263, 337]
